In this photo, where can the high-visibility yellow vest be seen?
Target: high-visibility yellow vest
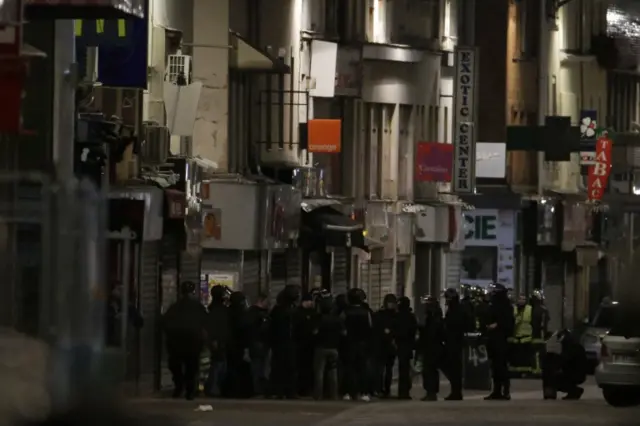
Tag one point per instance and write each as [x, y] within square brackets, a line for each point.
[122, 27]
[523, 329]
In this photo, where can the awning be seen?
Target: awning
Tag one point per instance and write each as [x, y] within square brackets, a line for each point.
[325, 226]
[246, 57]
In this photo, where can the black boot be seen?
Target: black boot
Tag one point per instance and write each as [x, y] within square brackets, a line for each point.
[574, 394]
[506, 390]
[496, 394]
[430, 397]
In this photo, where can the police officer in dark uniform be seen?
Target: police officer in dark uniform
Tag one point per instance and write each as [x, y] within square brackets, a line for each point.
[431, 347]
[539, 316]
[359, 326]
[305, 322]
[500, 326]
[456, 324]
[385, 342]
[405, 336]
[184, 324]
[283, 348]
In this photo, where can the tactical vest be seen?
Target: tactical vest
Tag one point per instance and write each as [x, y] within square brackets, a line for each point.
[523, 329]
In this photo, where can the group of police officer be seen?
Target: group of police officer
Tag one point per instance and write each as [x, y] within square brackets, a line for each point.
[314, 345]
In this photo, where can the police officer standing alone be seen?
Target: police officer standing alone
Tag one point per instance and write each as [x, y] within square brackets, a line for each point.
[405, 334]
[500, 325]
[184, 326]
[431, 347]
[455, 323]
[359, 326]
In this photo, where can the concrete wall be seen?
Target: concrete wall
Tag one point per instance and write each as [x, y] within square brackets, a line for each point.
[577, 82]
[211, 66]
[522, 101]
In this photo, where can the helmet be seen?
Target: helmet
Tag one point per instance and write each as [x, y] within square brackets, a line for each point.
[497, 288]
[389, 299]
[320, 293]
[537, 295]
[404, 303]
[451, 294]
[428, 299]
[356, 296]
[187, 288]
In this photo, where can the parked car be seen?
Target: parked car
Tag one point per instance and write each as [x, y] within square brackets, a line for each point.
[618, 374]
[596, 329]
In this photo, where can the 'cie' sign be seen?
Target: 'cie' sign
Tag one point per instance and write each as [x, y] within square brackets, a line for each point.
[480, 227]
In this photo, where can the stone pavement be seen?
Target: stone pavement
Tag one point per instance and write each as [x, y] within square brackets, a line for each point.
[526, 408]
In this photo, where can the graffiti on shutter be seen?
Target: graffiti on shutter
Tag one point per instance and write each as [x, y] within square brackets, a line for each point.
[251, 275]
[149, 304]
[340, 270]
[454, 265]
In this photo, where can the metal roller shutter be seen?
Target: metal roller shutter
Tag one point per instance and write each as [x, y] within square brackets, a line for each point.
[400, 278]
[168, 296]
[189, 267]
[340, 282]
[453, 269]
[250, 275]
[377, 281]
[286, 268]
[149, 306]
[222, 261]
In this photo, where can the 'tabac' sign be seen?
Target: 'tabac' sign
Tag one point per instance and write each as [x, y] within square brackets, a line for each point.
[122, 50]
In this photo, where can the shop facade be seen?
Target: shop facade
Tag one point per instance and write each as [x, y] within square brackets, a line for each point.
[489, 254]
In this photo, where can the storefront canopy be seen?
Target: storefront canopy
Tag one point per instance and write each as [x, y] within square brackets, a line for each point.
[244, 56]
[325, 226]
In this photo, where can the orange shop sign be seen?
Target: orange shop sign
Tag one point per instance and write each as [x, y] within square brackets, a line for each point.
[324, 136]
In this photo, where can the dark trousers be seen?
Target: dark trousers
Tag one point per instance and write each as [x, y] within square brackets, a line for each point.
[358, 373]
[452, 368]
[283, 370]
[430, 374]
[183, 366]
[554, 379]
[498, 353]
[305, 357]
[258, 354]
[404, 374]
[325, 362]
[386, 361]
[521, 357]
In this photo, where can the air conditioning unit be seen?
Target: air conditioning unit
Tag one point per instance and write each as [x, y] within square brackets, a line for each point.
[178, 65]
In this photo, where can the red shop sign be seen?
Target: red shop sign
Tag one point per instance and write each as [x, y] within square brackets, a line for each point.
[434, 162]
[600, 171]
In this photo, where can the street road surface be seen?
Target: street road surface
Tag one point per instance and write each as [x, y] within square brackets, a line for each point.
[527, 408]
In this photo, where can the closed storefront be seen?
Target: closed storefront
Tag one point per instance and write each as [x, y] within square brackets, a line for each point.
[489, 253]
[189, 267]
[250, 275]
[453, 262]
[285, 269]
[340, 282]
[401, 277]
[377, 280]
[149, 304]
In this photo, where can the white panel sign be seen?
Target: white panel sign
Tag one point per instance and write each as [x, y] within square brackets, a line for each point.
[464, 133]
[489, 227]
[491, 160]
[494, 228]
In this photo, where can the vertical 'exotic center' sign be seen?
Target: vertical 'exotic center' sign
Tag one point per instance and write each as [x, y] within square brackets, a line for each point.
[464, 157]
